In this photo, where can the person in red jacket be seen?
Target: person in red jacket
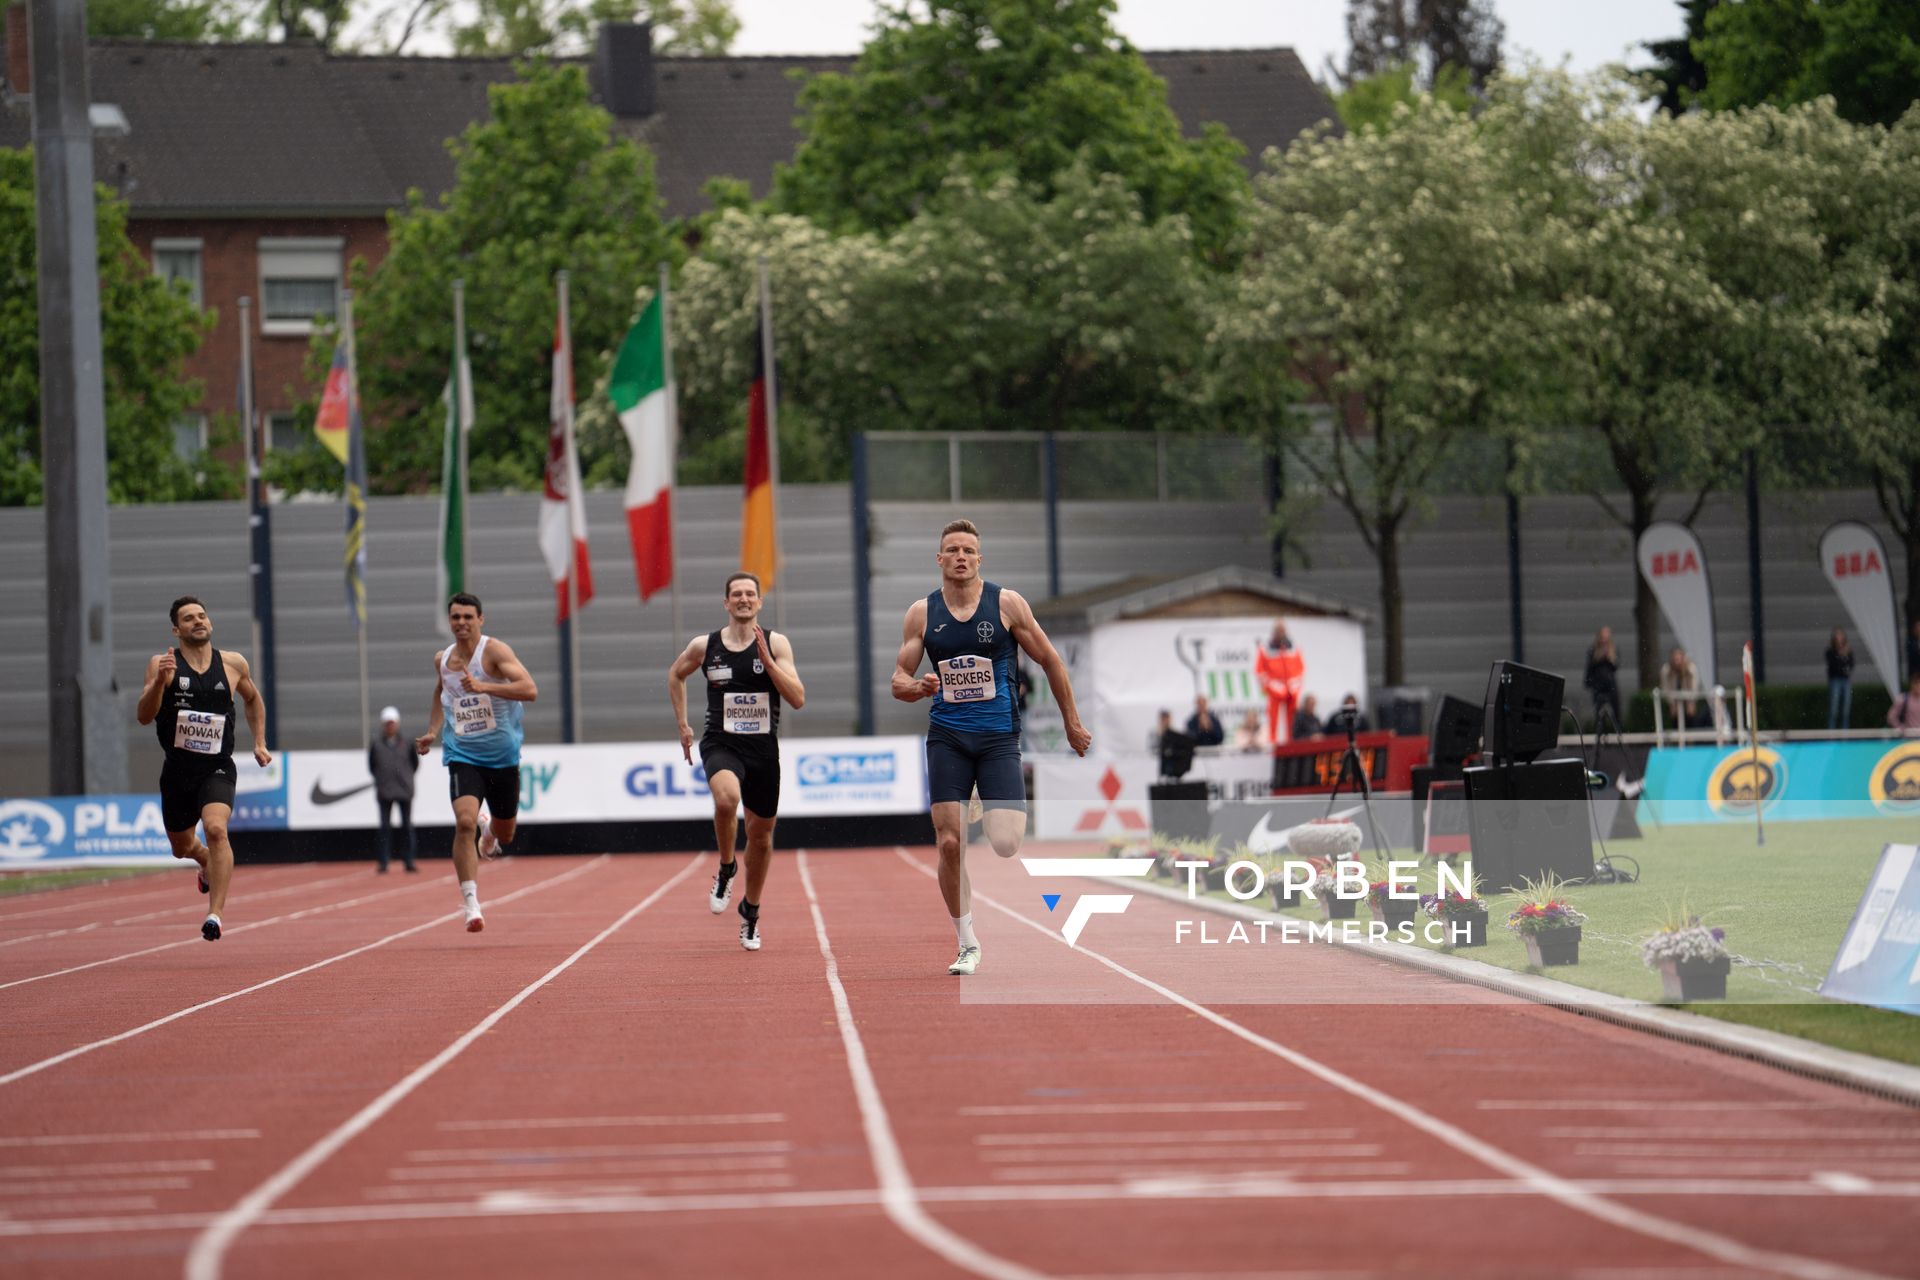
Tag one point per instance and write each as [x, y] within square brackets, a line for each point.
[1281, 669]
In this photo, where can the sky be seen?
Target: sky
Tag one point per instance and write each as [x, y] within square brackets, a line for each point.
[1585, 33]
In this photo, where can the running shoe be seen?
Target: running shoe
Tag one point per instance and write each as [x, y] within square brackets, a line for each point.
[750, 933]
[722, 891]
[489, 843]
[966, 962]
[204, 888]
[976, 812]
[210, 930]
[475, 921]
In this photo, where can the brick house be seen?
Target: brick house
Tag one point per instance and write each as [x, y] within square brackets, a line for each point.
[261, 170]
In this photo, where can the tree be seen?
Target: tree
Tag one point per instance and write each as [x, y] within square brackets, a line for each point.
[1863, 53]
[1370, 102]
[1430, 35]
[148, 328]
[521, 28]
[539, 186]
[1393, 268]
[163, 20]
[1025, 88]
[1677, 68]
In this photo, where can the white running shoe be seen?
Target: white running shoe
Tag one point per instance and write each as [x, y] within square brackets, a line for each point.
[966, 962]
[750, 934]
[722, 891]
[475, 921]
[976, 812]
[489, 843]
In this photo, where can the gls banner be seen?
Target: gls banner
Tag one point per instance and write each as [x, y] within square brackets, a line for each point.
[1855, 562]
[1675, 566]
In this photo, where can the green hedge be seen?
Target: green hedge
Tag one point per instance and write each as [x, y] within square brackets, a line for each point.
[1783, 706]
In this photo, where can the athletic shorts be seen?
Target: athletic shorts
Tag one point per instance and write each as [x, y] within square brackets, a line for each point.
[759, 773]
[958, 762]
[499, 789]
[183, 795]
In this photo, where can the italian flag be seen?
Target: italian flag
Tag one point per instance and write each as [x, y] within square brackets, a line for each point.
[640, 395]
[563, 511]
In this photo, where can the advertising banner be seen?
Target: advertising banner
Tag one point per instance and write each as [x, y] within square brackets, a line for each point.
[82, 831]
[624, 782]
[1106, 795]
[1855, 562]
[1142, 668]
[1792, 781]
[1879, 959]
[1675, 566]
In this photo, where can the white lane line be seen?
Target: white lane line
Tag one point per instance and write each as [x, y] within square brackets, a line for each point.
[69, 1186]
[1160, 1180]
[1626, 1132]
[134, 1166]
[210, 1246]
[200, 942]
[646, 1184]
[1158, 1135]
[612, 1122]
[584, 1168]
[897, 1196]
[9, 917]
[1126, 1108]
[452, 1210]
[1146, 1155]
[1752, 1168]
[581, 1153]
[434, 923]
[198, 905]
[1803, 1151]
[78, 1204]
[51, 933]
[1835, 1180]
[1533, 1177]
[115, 1139]
[1643, 1105]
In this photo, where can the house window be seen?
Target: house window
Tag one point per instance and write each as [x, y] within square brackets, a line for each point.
[189, 435]
[179, 260]
[283, 432]
[299, 279]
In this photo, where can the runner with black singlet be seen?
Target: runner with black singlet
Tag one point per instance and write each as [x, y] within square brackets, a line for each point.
[969, 629]
[749, 674]
[188, 698]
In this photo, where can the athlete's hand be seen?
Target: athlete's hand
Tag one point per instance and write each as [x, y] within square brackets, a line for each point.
[466, 682]
[930, 685]
[760, 642]
[262, 756]
[1078, 738]
[423, 743]
[686, 741]
[164, 667]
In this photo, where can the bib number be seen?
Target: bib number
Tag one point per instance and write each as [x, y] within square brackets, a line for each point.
[746, 713]
[472, 713]
[201, 732]
[967, 678]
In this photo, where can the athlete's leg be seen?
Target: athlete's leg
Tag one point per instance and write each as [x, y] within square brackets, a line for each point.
[725, 786]
[759, 854]
[1005, 829]
[950, 839]
[187, 847]
[219, 856]
[1003, 792]
[503, 829]
[466, 827]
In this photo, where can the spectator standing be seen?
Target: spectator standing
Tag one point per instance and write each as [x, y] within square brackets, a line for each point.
[1839, 681]
[1681, 676]
[1602, 678]
[392, 760]
[1161, 728]
[1246, 734]
[1307, 723]
[1904, 714]
[1203, 726]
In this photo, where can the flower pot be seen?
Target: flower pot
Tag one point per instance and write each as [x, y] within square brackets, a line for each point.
[1215, 876]
[1554, 946]
[1339, 908]
[1696, 979]
[1473, 925]
[1283, 897]
[1394, 912]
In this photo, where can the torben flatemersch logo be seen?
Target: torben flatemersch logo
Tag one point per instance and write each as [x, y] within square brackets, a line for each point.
[1087, 905]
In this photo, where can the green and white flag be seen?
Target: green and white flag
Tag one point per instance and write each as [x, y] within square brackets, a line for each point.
[458, 395]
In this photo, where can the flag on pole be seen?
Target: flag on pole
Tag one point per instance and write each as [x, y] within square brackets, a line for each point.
[331, 423]
[759, 547]
[453, 486]
[356, 494]
[641, 397]
[563, 514]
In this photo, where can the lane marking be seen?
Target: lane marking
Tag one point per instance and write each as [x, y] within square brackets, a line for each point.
[1660, 1104]
[1165, 1181]
[1126, 1108]
[610, 1122]
[437, 921]
[113, 1139]
[10, 916]
[1743, 1135]
[197, 907]
[1533, 1177]
[600, 1166]
[137, 1166]
[897, 1196]
[210, 1246]
[1144, 1155]
[581, 1153]
[1157, 1135]
[641, 1186]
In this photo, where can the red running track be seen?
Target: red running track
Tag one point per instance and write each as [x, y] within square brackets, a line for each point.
[603, 1083]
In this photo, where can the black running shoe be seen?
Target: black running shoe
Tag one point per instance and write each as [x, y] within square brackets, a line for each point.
[211, 929]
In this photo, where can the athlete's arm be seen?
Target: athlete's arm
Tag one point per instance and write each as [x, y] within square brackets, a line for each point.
[424, 743]
[519, 686]
[159, 673]
[1017, 614]
[778, 656]
[908, 687]
[256, 709]
[683, 666]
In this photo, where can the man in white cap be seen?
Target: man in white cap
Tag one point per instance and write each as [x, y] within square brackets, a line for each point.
[392, 760]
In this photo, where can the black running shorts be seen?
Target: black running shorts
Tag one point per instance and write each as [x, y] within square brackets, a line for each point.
[958, 762]
[184, 794]
[758, 772]
[499, 789]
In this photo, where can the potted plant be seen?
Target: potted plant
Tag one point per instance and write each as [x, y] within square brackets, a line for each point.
[1283, 895]
[1324, 881]
[1462, 916]
[1240, 853]
[1392, 911]
[1691, 957]
[1547, 923]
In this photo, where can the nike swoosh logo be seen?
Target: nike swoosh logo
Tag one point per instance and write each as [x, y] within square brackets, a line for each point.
[320, 795]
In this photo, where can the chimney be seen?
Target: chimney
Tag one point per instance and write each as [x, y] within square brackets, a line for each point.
[19, 80]
[623, 69]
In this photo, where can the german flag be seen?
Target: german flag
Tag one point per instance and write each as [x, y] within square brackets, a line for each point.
[759, 541]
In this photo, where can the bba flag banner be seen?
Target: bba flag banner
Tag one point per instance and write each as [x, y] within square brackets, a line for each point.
[1855, 562]
[1675, 566]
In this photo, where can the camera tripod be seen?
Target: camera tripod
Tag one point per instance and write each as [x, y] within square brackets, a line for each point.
[1351, 765]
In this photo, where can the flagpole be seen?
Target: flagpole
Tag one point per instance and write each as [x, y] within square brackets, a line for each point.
[462, 397]
[673, 436]
[353, 407]
[570, 629]
[1753, 741]
[773, 434]
[259, 530]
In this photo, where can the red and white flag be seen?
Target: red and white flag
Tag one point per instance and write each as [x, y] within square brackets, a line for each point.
[563, 513]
